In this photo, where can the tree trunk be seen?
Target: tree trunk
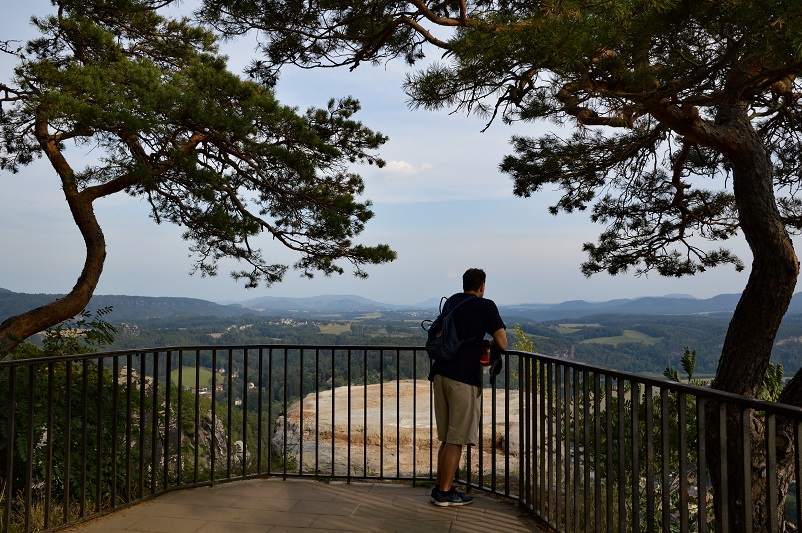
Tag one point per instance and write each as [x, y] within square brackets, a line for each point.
[16, 329]
[745, 355]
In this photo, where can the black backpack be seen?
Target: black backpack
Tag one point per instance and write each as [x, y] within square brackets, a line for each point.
[442, 342]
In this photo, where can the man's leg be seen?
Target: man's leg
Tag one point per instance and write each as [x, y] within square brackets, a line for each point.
[448, 457]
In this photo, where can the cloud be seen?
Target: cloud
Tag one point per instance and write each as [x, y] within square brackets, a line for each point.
[403, 169]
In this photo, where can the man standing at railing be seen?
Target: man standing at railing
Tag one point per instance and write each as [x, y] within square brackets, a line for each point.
[457, 383]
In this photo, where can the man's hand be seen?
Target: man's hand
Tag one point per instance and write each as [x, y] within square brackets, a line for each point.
[499, 342]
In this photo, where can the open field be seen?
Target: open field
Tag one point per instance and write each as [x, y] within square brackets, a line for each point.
[188, 377]
[630, 335]
[567, 329]
[335, 329]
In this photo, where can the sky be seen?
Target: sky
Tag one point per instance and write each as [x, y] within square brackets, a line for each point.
[441, 203]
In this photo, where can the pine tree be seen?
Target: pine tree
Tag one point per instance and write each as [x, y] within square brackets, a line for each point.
[152, 99]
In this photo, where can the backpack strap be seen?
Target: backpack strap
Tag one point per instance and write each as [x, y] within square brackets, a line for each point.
[445, 303]
[448, 302]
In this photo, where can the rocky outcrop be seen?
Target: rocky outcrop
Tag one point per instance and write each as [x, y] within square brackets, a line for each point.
[391, 429]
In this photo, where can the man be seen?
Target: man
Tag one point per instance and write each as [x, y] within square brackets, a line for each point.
[457, 383]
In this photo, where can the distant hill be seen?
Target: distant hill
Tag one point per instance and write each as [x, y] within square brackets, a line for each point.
[125, 308]
[130, 308]
[721, 305]
[330, 304]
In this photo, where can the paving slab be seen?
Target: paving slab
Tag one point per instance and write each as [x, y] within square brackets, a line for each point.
[307, 506]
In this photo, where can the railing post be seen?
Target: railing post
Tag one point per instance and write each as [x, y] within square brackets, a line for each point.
[286, 425]
[746, 447]
[259, 400]
[664, 466]
[350, 390]
[524, 420]
[333, 411]
[648, 402]
[115, 389]
[771, 471]
[84, 434]
[245, 383]
[99, 436]
[634, 428]
[723, 496]
[798, 468]
[682, 470]
[621, 473]
[128, 423]
[608, 414]
[230, 405]
[701, 458]
[586, 446]
[8, 491]
[597, 397]
[397, 414]
[142, 394]
[49, 444]
[212, 432]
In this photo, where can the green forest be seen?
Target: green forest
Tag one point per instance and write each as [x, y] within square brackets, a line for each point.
[641, 344]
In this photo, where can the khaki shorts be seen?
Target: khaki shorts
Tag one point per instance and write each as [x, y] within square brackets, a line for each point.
[457, 410]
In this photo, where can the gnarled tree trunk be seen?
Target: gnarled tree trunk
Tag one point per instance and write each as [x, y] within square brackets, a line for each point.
[745, 356]
[18, 328]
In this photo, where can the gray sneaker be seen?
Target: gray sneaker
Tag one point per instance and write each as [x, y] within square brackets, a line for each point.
[451, 498]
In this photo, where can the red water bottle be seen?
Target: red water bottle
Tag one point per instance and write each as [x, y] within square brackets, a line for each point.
[484, 352]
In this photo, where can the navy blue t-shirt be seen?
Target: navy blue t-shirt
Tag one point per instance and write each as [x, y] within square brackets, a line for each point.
[474, 318]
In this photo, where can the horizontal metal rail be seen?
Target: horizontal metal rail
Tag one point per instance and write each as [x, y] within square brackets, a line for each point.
[582, 448]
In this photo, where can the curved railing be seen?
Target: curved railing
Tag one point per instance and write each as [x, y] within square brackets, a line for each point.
[583, 448]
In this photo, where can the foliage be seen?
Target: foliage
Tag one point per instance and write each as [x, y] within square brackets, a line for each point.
[624, 456]
[622, 417]
[193, 139]
[207, 150]
[688, 362]
[74, 336]
[521, 342]
[51, 392]
[649, 72]
[772, 383]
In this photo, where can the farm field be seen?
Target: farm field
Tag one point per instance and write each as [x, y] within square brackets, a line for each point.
[188, 376]
[335, 328]
[630, 335]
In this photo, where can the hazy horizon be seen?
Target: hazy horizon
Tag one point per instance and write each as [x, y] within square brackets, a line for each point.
[429, 300]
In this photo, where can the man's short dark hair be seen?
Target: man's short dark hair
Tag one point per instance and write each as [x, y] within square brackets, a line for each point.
[473, 279]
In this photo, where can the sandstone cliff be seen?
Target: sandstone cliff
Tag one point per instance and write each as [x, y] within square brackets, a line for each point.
[391, 430]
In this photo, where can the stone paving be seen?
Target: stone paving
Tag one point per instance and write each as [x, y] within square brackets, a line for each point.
[307, 506]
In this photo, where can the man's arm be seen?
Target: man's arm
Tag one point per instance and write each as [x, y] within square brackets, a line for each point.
[500, 339]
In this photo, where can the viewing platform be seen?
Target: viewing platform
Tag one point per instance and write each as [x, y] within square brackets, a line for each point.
[305, 506]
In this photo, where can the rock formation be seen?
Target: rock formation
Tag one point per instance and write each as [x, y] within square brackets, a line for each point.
[392, 431]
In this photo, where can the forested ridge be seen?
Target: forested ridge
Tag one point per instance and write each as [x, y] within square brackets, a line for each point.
[642, 344]
[638, 342]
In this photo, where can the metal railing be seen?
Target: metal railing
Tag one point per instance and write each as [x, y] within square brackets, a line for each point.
[583, 448]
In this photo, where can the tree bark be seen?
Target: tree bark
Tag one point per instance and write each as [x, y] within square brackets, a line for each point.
[745, 356]
[18, 328]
